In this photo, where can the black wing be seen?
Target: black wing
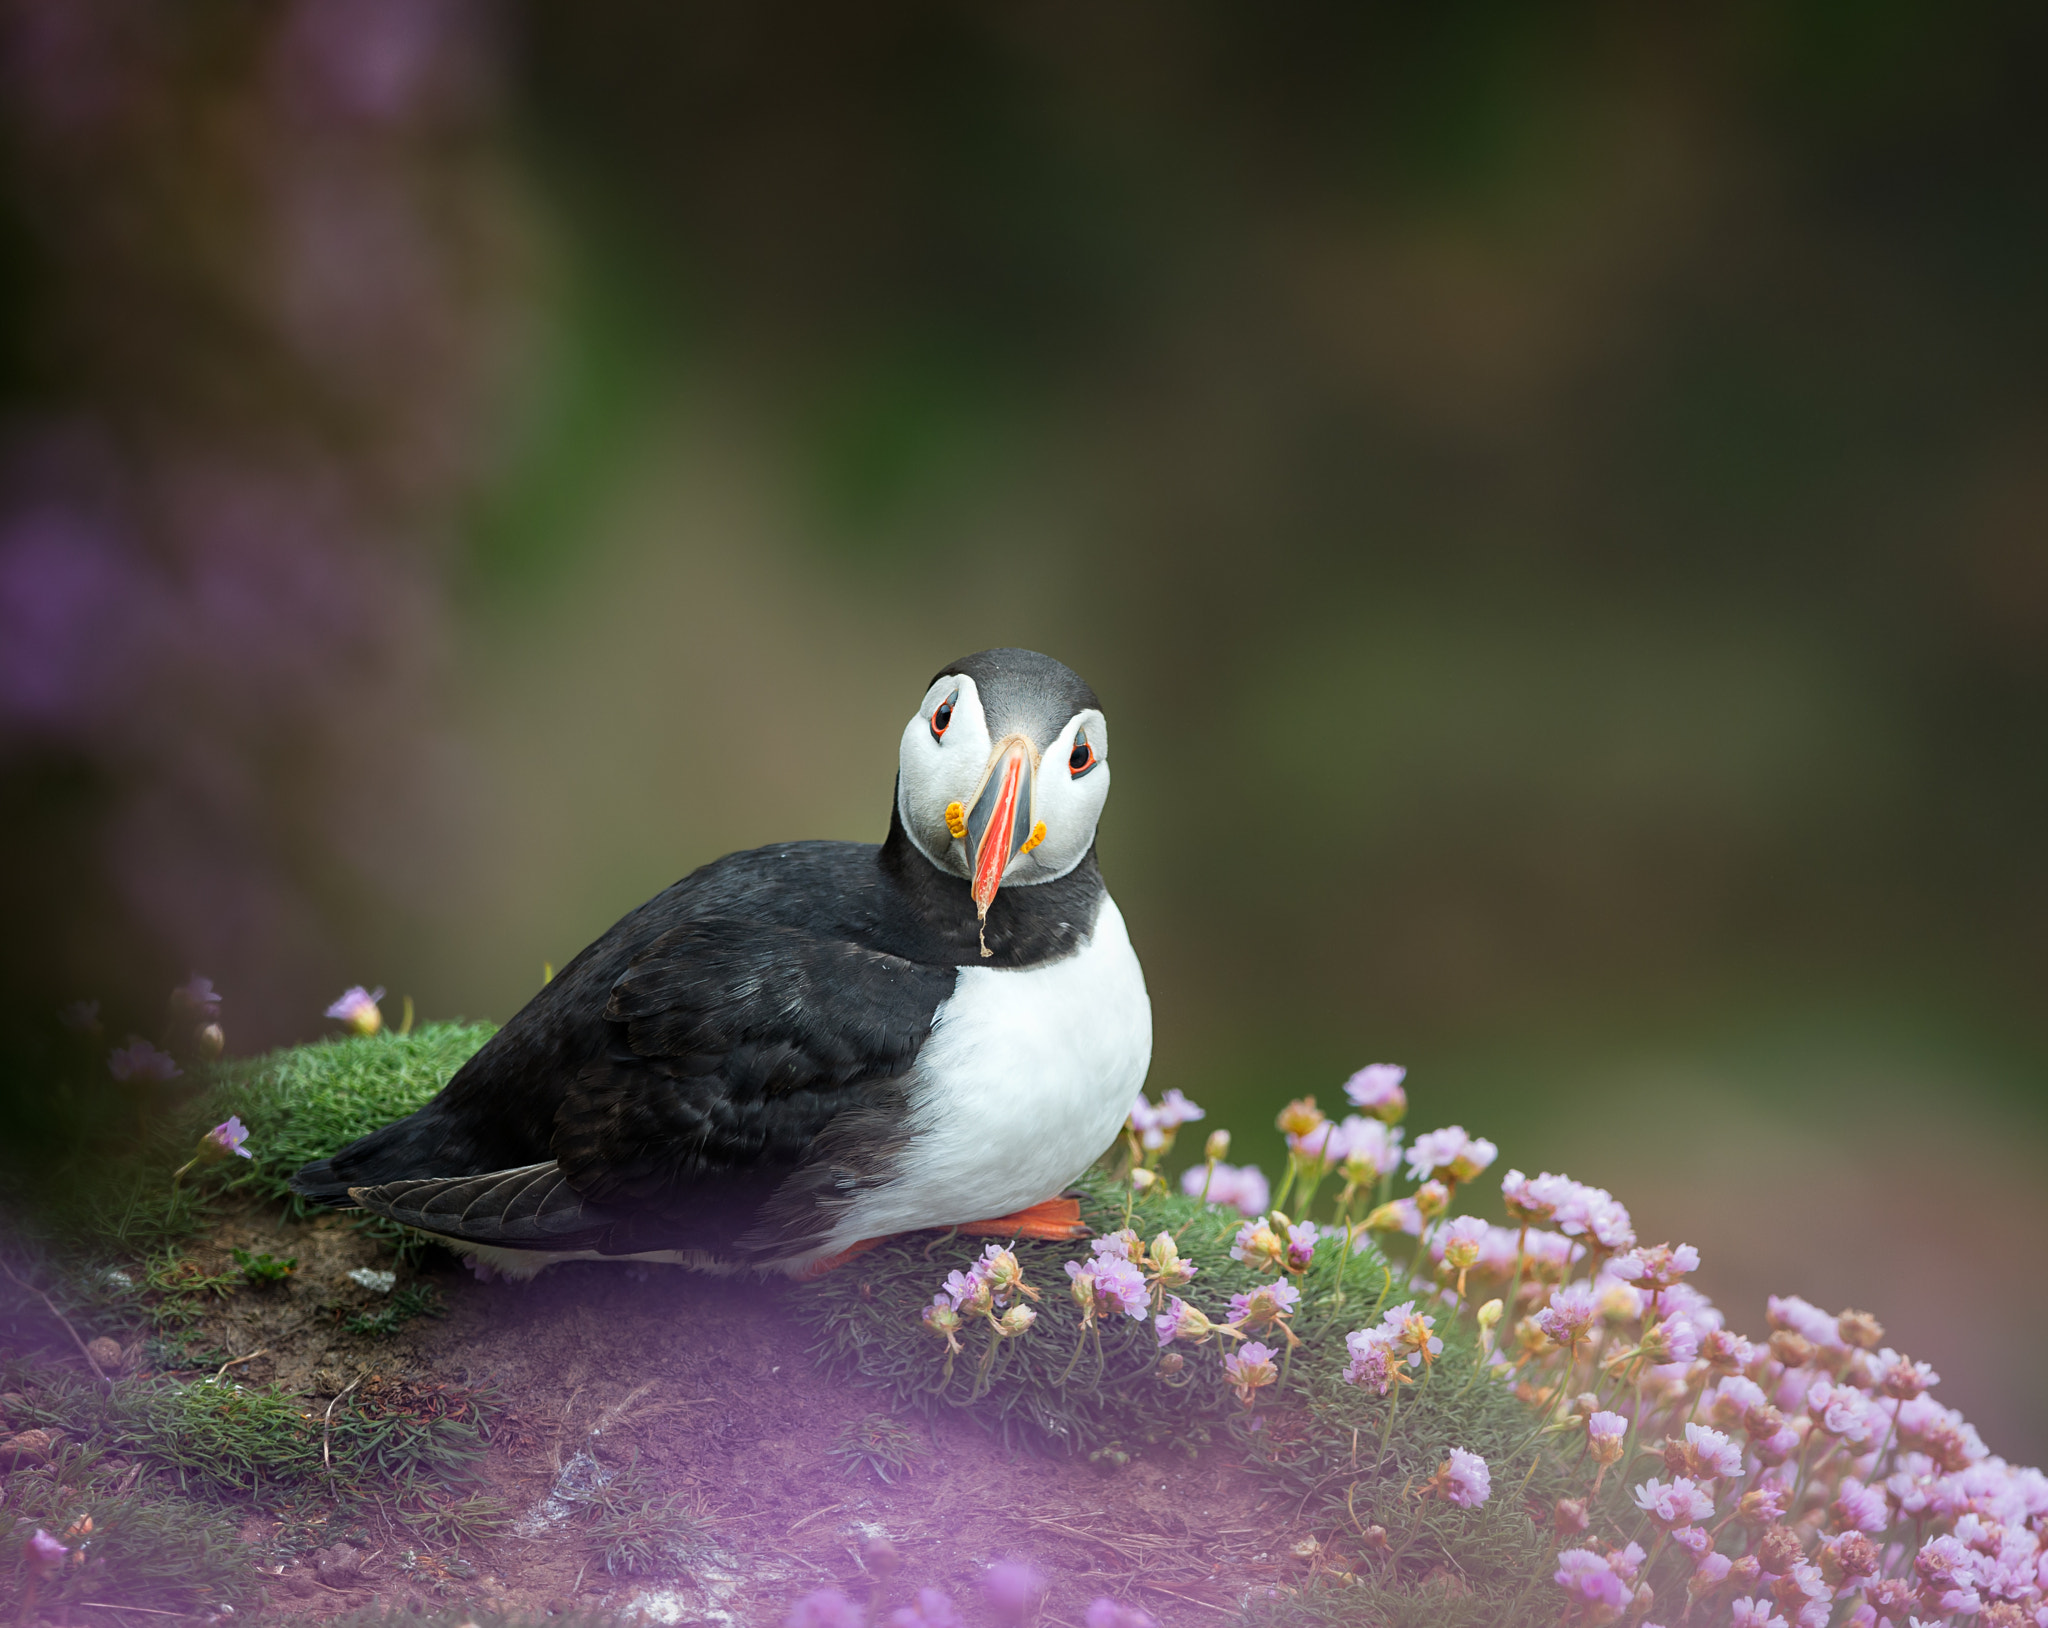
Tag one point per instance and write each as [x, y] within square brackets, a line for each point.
[748, 1082]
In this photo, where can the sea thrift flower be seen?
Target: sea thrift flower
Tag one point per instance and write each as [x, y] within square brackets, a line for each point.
[45, 1554]
[825, 1608]
[1180, 1321]
[1239, 1187]
[1705, 1455]
[1409, 1334]
[1108, 1284]
[139, 1062]
[1122, 1245]
[1397, 1215]
[1461, 1241]
[1012, 1589]
[1588, 1580]
[1605, 1433]
[1217, 1146]
[1249, 1369]
[1463, 1479]
[225, 1139]
[1155, 1125]
[1264, 1306]
[1371, 1150]
[1840, 1411]
[1753, 1613]
[1104, 1612]
[358, 1009]
[1377, 1089]
[969, 1291]
[196, 998]
[1656, 1266]
[1681, 1503]
[1450, 1155]
[1300, 1116]
[1372, 1365]
[1004, 1275]
[1572, 1311]
[933, 1609]
[1431, 1199]
[1902, 1377]
[1016, 1320]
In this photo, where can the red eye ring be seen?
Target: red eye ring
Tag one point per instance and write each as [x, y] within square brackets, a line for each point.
[1082, 758]
[942, 716]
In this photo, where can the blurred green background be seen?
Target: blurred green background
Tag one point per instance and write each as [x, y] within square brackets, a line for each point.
[1555, 502]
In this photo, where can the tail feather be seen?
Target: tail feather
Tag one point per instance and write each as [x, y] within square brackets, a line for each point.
[532, 1207]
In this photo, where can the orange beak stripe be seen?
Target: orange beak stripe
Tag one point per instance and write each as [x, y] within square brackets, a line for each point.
[994, 855]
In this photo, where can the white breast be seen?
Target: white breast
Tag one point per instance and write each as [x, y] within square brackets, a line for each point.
[1026, 1079]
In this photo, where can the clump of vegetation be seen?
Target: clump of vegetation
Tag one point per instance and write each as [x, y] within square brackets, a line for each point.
[879, 1444]
[407, 1302]
[265, 1270]
[305, 1102]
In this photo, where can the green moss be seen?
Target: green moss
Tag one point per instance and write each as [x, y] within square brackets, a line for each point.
[305, 1102]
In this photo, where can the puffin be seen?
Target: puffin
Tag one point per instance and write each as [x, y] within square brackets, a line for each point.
[800, 1050]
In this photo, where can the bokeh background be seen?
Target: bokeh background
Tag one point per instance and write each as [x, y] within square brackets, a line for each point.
[1555, 501]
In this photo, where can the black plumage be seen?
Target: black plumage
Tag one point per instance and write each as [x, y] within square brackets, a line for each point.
[724, 1069]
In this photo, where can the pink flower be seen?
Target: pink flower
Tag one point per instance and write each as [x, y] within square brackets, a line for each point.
[1467, 1482]
[1377, 1089]
[825, 1608]
[1180, 1321]
[1371, 1366]
[1117, 1284]
[1104, 1612]
[1155, 1125]
[1861, 1508]
[357, 1007]
[1656, 1266]
[1122, 1245]
[1605, 1434]
[1590, 1582]
[1681, 1503]
[139, 1062]
[197, 998]
[1840, 1410]
[1450, 1155]
[1459, 1243]
[1749, 1613]
[1249, 1368]
[1709, 1454]
[1572, 1310]
[1694, 1540]
[933, 1609]
[228, 1137]
[1902, 1377]
[1239, 1187]
[45, 1554]
[1409, 1334]
[1012, 1589]
[1264, 1305]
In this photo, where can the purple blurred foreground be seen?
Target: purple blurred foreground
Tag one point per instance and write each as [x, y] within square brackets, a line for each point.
[277, 269]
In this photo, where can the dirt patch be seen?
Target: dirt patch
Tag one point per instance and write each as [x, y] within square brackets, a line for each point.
[614, 1391]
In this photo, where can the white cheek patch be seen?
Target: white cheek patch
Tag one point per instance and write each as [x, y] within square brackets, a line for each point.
[933, 772]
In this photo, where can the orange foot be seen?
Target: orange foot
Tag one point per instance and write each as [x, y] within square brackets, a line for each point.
[1056, 1219]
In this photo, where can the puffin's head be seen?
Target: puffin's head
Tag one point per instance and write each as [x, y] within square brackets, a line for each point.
[1004, 770]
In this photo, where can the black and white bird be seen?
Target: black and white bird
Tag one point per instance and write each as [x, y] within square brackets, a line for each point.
[799, 1049]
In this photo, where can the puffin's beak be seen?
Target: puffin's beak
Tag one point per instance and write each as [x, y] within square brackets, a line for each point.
[999, 826]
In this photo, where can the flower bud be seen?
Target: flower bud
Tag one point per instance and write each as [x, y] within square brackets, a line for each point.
[1490, 1314]
[1569, 1517]
[1143, 1180]
[941, 1318]
[1375, 1539]
[1171, 1364]
[1217, 1147]
[1432, 1198]
[1168, 1269]
[1016, 1320]
[209, 1042]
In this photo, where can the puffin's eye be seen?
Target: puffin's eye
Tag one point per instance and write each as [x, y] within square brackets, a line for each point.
[1082, 758]
[943, 715]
